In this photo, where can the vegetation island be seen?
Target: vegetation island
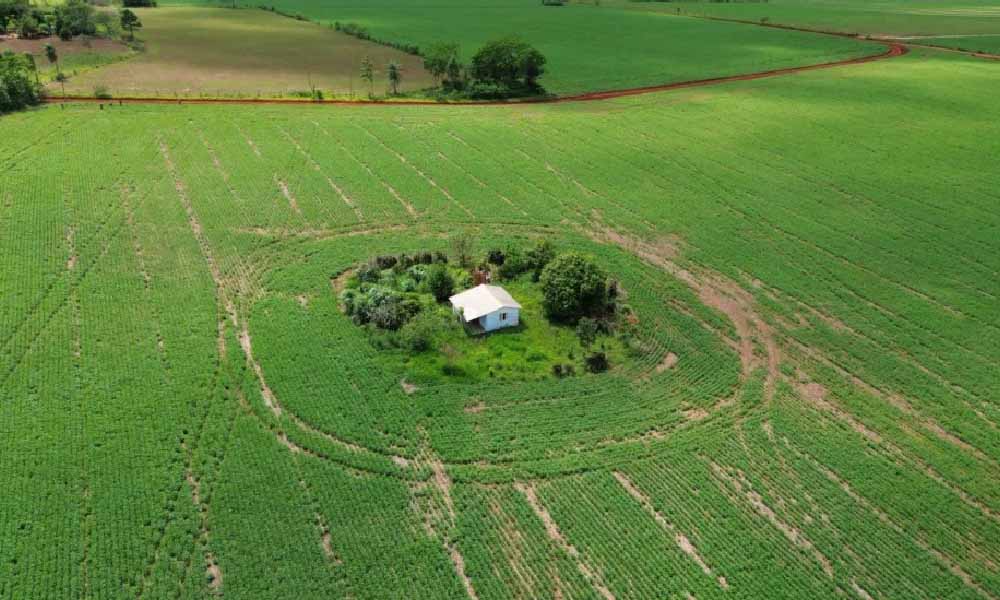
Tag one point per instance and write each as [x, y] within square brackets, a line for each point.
[556, 314]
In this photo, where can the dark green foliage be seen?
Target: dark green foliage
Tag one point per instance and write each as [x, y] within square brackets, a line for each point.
[138, 3]
[597, 362]
[417, 335]
[574, 286]
[509, 63]
[587, 330]
[130, 22]
[440, 283]
[369, 272]
[74, 18]
[442, 60]
[385, 262]
[496, 257]
[18, 89]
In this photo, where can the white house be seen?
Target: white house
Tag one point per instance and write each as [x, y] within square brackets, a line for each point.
[487, 306]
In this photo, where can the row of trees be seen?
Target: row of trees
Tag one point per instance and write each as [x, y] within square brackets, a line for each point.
[394, 72]
[507, 66]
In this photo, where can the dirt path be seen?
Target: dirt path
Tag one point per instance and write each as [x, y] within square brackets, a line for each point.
[893, 50]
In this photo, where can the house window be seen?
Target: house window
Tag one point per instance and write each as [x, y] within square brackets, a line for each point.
[503, 316]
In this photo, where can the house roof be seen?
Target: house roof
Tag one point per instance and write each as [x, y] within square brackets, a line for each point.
[482, 300]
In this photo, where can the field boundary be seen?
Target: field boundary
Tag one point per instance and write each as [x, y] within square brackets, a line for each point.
[893, 49]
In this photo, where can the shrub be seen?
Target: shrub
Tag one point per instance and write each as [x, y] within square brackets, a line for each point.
[388, 313]
[495, 257]
[440, 283]
[587, 330]
[385, 262]
[573, 287]
[597, 362]
[101, 92]
[369, 273]
[418, 333]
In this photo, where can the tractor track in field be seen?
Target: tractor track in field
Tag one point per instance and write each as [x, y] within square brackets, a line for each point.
[893, 49]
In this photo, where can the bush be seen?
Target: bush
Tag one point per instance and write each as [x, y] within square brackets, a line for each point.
[541, 255]
[495, 257]
[573, 287]
[418, 333]
[101, 92]
[385, 262]
[597, 362]
[440, 283]
[587, 330]
[369, 273]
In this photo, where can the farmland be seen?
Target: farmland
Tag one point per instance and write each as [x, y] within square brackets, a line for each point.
[971, 24]
[193, 52]
[813, 260]
[625, 48]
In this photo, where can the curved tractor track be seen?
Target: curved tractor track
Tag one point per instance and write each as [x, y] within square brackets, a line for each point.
[893, 49]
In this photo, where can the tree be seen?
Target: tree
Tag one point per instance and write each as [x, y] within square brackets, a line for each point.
[395, 72]
[540, 256]
[573, 287]
[53, 57]
[508, 63]
[440, 282]
[443, 62]
[368, 74]
[130, 22]
[29, 59]
[75, 17]
[16, 89]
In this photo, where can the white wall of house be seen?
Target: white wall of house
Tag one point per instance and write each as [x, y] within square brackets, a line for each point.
[498, 319]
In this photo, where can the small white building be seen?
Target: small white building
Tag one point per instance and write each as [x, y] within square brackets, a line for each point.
[488, 306]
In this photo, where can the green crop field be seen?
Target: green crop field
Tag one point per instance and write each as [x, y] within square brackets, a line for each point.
[967, 24]
[812, 259]
[588, 47]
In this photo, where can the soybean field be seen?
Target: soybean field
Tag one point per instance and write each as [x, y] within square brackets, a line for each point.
[813, 262]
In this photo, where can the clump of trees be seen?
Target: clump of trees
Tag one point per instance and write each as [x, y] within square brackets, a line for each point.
[385, 290]
[18, 82]
[505, 67]
[68, 20]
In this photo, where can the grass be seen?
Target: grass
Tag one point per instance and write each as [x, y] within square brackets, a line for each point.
[215, 52]
[180, 394]
[624, 48]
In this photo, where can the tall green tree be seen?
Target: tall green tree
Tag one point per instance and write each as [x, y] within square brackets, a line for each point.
[573, 287]
[130, 22]
[29, 59]
[16, 89]
[368, 74]
[442, 60]
[395, 72]
[53, 57]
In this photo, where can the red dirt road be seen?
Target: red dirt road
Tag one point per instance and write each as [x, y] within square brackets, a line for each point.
[893, 50]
